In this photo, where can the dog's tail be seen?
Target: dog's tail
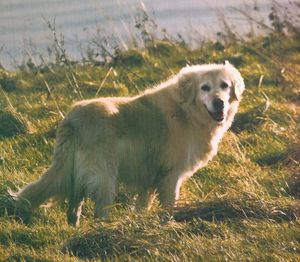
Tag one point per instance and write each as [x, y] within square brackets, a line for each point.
[54, 182]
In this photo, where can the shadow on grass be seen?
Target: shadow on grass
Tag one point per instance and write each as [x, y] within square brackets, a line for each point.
[257, 116]
[271, 158]
[237, 209]
[248, 120]
[104, 244]
[26, 237]
[141, 240]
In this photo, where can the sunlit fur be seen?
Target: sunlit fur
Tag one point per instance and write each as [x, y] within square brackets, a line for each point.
[150, 143]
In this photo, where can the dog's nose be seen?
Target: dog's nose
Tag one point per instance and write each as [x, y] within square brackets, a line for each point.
[218, 104]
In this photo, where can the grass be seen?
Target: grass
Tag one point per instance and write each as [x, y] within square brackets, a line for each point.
[241, 207]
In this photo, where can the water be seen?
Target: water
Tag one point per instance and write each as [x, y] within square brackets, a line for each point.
[23, 27]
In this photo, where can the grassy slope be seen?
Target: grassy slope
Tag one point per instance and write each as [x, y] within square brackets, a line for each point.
[251, 164]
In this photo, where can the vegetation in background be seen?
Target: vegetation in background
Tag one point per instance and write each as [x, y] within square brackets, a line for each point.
[244, 206]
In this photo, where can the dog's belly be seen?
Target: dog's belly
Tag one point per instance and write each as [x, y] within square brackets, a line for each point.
[139, 164]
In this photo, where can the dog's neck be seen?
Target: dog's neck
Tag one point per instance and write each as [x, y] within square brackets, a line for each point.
[189, 112]
[174, 106]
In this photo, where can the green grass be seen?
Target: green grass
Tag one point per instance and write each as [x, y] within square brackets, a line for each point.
[238, 208]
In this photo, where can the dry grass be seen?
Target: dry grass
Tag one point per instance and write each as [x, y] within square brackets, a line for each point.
[241, 207]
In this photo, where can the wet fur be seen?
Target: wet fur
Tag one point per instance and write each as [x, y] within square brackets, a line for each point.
[150, 143]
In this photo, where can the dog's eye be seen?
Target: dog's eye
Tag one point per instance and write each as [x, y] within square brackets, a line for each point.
[224, 85]
[205, 88]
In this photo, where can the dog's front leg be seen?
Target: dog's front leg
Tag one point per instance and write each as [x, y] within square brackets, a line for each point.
[145, 200]
[169, 189]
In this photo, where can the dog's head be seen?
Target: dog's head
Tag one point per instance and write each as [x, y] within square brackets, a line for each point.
[213, 87]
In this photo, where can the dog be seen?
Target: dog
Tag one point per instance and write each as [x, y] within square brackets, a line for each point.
[150, 143]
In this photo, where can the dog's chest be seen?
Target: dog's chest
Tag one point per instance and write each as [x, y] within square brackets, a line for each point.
[200, 151]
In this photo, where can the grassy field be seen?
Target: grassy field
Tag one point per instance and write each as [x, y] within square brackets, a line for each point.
[242, 207]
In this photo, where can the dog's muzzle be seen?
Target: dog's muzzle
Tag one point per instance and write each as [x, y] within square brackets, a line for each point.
[218, 114]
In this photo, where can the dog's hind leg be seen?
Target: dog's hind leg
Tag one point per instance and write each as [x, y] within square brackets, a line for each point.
[105, 197]
[75, 200]
[97, 178]
[74, 209]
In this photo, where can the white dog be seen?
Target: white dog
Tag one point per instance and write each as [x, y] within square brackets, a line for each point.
[150, 143]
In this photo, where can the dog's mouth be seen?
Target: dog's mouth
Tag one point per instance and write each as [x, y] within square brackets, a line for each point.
[217, 115]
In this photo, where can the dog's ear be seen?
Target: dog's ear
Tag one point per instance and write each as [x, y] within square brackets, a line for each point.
[239, 87]
[186, 85]
[237, 81]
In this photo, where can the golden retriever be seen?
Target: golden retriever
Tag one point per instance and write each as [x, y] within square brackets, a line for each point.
[150, 143]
